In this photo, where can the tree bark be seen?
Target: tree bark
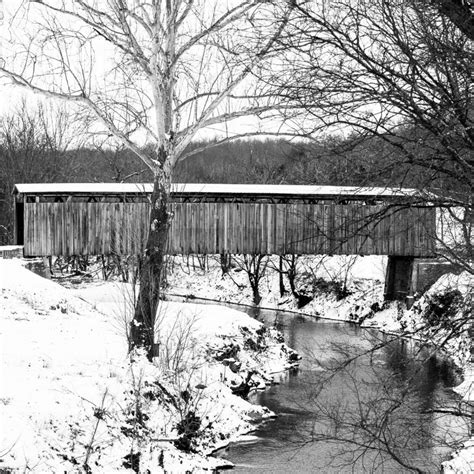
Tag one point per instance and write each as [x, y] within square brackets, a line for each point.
[142, 330]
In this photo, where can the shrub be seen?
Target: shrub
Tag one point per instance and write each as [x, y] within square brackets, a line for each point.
[442, 308]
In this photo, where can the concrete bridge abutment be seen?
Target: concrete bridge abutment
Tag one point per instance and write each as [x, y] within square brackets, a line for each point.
[408, 277]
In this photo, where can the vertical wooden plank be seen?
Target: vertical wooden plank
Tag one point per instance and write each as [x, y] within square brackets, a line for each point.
[175, 228]
[381, 233]
[297, 227]
[290, 224]
[325, 244]
[349, 216]
[200, 229]
[37, 229]
[42, 239]
[251, 238]
[39, 226]
[203, 228]
[406, 222]
[109, 228]
[134, 227]
[314, 229]
[58, 232]
[281, 228]
[182, 226]
[64, 249]
[337, 231]
[194, 227]
[124, 229]
[360, 231]
[221, 211]
[82, 231]
[104, 227]
[309, 229]
[270, 227]
[229, 241]
[77, 237]
[375, 242]
[389, 233]
[186, 230]
[84, 228]
[87, 231]
[189, 224]
[60, 225]
[34, 232]
[306, 229]
[263, 225]
[54, 234]
[75, 231]
[88, 245]
[210, 229]
[259, 246]
[198, 243]
[26, 229]
[97, 219]
[117, 221]
[32, 229]
[236, 228]
[49, 228]
[127, 245]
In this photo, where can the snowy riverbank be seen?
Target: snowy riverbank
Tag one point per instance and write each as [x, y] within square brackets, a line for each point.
[70, 400]
[441, 316]
[340, 288]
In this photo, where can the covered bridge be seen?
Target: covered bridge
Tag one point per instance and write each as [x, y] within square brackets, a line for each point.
[102, 218]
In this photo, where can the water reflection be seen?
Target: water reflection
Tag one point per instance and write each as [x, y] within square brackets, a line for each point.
[376, 414]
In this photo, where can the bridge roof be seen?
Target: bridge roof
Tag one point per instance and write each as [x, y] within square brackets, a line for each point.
[217, 189]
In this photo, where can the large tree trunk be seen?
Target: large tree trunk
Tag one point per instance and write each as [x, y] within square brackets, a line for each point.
[142, 331]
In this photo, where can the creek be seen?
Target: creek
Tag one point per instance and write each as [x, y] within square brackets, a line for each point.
[382, 407]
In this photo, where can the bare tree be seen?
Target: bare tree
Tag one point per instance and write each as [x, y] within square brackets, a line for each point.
[34, 146]
[168, 70]
[398, 71]
[255, 266]
[376, 414]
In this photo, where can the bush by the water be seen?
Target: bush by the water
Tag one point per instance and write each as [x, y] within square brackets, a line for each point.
[442, 308]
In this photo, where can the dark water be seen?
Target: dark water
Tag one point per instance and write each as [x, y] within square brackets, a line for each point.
[379, 408]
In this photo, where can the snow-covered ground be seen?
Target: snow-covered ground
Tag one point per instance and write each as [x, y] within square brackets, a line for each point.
[70, 397]
[71, 400]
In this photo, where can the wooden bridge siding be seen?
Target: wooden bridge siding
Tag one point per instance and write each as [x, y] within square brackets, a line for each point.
[79, 228]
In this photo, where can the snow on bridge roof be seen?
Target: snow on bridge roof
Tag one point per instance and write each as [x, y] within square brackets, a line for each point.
[216, 189]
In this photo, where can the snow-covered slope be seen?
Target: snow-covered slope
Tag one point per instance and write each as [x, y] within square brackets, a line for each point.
[70, 400]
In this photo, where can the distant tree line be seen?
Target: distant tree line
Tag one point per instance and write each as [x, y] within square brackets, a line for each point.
[37, 146]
